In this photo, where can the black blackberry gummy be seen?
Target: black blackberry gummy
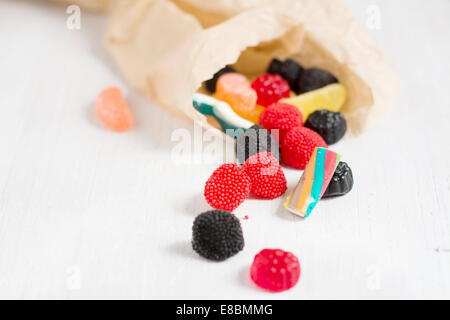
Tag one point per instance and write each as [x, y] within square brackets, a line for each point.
[315, 78]
[254, 140]
[341, 183]
[217, 235]
[289, 70]
[275, 67]
[211, 83]
[331, 126]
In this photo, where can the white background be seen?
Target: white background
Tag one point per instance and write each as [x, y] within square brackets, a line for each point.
[88, 213]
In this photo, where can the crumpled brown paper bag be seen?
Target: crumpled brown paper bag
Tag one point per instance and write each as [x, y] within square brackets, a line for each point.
[167, 48]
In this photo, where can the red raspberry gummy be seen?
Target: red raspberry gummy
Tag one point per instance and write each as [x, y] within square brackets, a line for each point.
[271, 88]
[227, 188]
[282, 117]
[267, 177]
[275, 270]
[298, 145]
[113, 111]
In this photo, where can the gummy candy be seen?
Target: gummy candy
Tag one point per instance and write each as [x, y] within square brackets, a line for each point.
[289, 70]
[315, 78]
[275, 67]
[211, 83]
[341, 183]
[235, 89]
[275, 270]
[330, 125]
[113, 110]
[227, 188]
[231, 123]
[256, 139]
[292, 71]
[267, 178]
[217, 235]
[313, 182]
[331, 97]
[270, 88]
[252, 115]
[282, 117]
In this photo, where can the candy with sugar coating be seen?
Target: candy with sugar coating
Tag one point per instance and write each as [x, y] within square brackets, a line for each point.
[234, 89]
[113, 111]
[270, 88]
[330, 98]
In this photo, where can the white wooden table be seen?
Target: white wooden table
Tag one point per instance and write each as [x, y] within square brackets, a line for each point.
[87, 213]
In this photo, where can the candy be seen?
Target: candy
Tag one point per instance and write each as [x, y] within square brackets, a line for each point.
[211, 83]
[315, 78]
[298, 145]
[275, 67]
[331, 98]
[313, 182]
[217, 235]
[282, 117]
[267, 177]
[292, 72]
[330, 125]
[270, 88]
[252, 115]
[234, 89]
[289, 70]
[275, 270]
[227, 188]
[113, 111]
[255, 140]
[231, 123]
[341, 183]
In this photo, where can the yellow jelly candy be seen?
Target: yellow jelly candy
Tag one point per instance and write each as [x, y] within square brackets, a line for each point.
[331, 97]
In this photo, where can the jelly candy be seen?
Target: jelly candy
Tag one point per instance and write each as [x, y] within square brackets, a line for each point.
[275, 270]
[231, 123]
[313, 182]
[282, 117]
[255, 140]
[292, 71]
[267, 178]
[270, 88]
[235, 89]
[227, 188]
[275, 67]
[315, 78]
[252, 115]
[113, 111]
[211, 83]
[297, 146]
[289, 70]
[341, 183]
[217, 235]
[330, 125]
[331, 98]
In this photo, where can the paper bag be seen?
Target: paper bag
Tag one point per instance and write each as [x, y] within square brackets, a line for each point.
[92, 5]
[167, 49]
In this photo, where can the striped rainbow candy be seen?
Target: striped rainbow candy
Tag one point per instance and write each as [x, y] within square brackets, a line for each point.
[313, 183]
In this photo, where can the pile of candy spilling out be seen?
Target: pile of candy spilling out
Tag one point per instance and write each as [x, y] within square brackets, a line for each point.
[289, 115]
